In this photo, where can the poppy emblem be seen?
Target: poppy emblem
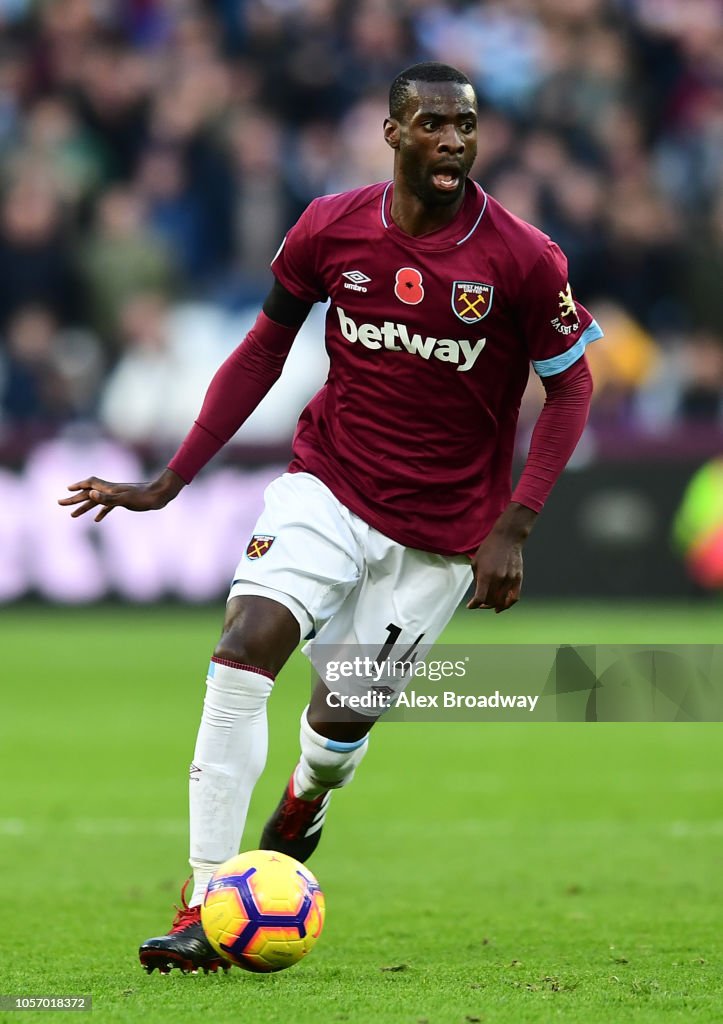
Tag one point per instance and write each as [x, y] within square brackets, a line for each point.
[408, 286]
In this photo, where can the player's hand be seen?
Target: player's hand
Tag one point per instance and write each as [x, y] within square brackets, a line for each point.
[141, 497]
[497, 563]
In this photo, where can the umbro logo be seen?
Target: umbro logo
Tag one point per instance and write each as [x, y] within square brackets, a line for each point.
[355, 280]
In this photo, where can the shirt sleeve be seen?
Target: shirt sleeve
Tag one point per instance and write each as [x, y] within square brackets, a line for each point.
[556, 328]
[557, 431]
[295, 264]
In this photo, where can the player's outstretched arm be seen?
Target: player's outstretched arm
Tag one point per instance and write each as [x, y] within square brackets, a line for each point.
[140, 497]
[497, 563]
[238, 386]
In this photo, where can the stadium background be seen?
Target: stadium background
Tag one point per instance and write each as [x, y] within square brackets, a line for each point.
[153, 154]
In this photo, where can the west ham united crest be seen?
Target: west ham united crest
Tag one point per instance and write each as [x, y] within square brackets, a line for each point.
[471, 301]
[259, 545]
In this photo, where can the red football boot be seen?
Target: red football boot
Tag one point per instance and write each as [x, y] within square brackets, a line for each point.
[295, 826]
[185, 946]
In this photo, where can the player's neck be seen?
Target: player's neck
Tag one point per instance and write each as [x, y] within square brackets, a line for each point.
[416, 218]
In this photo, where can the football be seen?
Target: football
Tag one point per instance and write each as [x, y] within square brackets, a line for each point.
[263, 911]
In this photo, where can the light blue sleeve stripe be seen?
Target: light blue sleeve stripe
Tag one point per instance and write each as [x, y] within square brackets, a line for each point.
[547, 367]
[342, 748]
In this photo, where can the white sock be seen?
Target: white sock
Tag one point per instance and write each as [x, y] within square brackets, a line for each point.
[229, 757]
[324, 764]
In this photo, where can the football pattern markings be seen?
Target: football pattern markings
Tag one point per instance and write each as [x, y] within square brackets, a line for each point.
[256, 919]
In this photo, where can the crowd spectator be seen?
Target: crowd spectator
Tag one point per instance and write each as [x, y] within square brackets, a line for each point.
[120, 256]
[155, 151]
[29, 384]
[36, 264]
[49, 374]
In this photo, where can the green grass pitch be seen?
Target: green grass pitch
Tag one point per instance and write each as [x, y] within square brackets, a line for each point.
[507, 874]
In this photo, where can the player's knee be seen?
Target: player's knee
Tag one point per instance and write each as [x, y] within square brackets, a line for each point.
[259, 633]
[245, 648]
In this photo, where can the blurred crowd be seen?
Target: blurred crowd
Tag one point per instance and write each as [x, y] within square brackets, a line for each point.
[155, 151]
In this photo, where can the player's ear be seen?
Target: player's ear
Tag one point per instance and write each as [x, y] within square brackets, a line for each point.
[391, 132]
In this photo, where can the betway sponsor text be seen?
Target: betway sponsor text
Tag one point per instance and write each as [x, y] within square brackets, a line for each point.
[396, 338]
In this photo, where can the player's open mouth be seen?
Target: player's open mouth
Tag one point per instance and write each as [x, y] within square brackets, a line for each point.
[446, 181]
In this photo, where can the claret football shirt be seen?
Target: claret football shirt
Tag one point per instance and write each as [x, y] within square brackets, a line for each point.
[429, 341]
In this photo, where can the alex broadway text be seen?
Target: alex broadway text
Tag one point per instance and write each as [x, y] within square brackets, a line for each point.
[446, 699]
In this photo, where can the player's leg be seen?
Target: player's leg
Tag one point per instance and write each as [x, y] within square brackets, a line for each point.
[404, 600]
[332, 747]
[258, 637]
[298, 568]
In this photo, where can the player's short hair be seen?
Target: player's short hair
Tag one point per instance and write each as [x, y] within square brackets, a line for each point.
[429, 71]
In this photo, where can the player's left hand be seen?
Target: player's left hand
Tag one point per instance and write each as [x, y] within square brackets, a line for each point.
[497, 563]
[137, 497]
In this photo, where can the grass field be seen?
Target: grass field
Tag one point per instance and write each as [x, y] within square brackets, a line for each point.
[497, 873]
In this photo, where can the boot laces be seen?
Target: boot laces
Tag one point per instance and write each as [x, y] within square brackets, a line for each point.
[185, 915]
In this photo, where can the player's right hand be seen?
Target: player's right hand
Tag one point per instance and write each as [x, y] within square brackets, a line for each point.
[139, 497]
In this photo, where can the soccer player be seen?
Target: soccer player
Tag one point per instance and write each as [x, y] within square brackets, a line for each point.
[399, 492]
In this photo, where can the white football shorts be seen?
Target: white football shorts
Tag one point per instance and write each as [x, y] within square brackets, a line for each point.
[346, 583]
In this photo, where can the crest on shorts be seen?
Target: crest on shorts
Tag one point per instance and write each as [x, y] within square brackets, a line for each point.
[471, 300]
[259, 545]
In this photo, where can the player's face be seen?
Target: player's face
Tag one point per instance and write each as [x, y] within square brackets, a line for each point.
[436, 140]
